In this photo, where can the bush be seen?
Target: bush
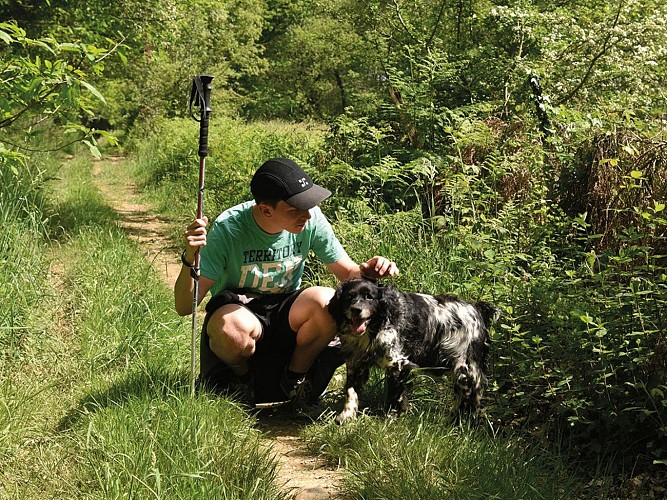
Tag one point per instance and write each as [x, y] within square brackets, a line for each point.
[580, 350]
[168, 161]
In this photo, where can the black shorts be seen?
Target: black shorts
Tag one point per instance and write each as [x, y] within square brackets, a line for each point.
[273, 351]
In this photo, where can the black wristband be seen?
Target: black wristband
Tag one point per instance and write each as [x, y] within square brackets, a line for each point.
[185, 262]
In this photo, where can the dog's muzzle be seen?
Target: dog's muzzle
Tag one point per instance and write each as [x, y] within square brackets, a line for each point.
[360, 317]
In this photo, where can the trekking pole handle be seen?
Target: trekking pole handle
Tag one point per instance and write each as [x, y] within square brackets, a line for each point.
[200, 96]
[201, 93]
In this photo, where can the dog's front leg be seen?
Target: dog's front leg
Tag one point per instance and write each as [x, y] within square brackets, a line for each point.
[397, 385]
[357, 376]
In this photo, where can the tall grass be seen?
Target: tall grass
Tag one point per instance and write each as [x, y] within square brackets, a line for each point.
[167, 164]
[101, 407]
[421, 457]
[22, 262]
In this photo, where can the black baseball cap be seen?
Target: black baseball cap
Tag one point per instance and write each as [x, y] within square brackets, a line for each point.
[283, 179]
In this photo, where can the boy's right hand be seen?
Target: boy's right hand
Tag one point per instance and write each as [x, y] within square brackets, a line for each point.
[195, 237]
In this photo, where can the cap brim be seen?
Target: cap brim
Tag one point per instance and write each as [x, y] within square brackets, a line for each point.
[309, 198]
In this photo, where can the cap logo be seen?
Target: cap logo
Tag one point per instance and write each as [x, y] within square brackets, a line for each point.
[303, 182]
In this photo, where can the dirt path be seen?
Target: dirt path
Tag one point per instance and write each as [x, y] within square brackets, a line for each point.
[304, 475]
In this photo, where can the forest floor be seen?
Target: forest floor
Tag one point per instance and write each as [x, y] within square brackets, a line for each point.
[304, 475]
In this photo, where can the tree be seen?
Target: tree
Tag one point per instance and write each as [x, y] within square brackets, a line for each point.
[45, 81]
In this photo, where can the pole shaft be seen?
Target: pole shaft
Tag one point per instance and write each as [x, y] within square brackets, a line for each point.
[202, 90]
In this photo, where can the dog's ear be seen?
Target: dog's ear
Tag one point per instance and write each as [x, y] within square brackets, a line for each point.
[389, 303]
[334, 306]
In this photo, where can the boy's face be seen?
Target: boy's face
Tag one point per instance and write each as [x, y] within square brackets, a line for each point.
[288, 218]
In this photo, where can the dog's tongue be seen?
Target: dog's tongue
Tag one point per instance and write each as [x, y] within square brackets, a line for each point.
[359, 326]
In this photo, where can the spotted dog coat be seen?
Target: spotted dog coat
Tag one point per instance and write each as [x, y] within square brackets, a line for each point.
[398, 331]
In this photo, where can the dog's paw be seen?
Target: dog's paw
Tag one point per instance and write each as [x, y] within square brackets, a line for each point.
[346, 416]
[462, 379]
[392, 416]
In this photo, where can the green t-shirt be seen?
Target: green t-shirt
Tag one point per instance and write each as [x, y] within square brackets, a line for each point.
[239, 254]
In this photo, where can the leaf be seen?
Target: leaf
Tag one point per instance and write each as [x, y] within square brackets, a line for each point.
[586, 318]
[658, 207]
[94, 91]
[69, 47]
[4, 36]
[636, 174]
[113, 141]
[630, 150]
[656, 392]
[93, 149]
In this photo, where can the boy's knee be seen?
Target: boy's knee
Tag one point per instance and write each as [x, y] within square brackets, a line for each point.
[231, 328]
[316, 302]
[310, 318]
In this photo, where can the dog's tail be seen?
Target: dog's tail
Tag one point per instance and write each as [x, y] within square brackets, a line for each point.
[489, 314]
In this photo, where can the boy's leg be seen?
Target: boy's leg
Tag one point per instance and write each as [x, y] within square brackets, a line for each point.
[233, 332]
[296, 341]
[314, 326]
[313, 362]
[221, 373]
[294, 331]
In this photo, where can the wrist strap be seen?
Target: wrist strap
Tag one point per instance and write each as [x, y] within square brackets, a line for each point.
[185, 262]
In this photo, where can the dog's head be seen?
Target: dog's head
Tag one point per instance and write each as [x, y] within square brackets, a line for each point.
[354, 305]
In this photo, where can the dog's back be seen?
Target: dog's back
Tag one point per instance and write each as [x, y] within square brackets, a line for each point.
[435, 330]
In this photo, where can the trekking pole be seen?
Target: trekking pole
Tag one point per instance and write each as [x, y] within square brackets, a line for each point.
[200, 95]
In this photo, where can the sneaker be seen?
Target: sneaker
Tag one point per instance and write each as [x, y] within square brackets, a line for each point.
[241, 389]
[308, 389]
[299, 391]
[323, 369]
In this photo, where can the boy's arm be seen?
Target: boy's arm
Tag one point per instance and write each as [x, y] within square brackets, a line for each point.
[376, 268]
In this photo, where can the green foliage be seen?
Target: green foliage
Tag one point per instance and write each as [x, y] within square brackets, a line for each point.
[168, 161]
[579, 352]
[47, 79]
[312, 69]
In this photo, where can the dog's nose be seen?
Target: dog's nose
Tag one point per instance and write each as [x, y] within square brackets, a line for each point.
[355, 309]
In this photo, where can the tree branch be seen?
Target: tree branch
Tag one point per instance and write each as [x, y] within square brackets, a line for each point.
[36, 150]
[594, 60]
[437, 23]
[404, 24]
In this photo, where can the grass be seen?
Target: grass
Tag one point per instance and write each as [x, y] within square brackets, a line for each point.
[424, 454]
[94, 398]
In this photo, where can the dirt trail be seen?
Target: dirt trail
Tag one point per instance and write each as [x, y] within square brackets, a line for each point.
[305, 476]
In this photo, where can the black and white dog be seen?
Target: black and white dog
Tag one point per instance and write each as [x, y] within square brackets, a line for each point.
[399, 331]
